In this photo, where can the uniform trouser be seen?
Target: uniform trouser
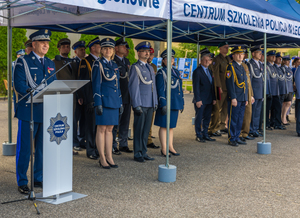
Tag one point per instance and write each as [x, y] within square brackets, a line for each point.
[235, 120]
[261, 120]
[142, 125]
[276, 111]
[223, 110]
[219, 114]
[82, 122]
[256, 113]
[203, 115]
[90, 133]
[297, 107]
[75, 125]
[123, 127]
[150, 141]
[269, 104]
[247, 120]
[23, 152]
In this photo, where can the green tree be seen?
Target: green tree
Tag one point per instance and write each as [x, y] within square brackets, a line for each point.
[87, 39]
[18, 40]
[190, 50]
[55, 37]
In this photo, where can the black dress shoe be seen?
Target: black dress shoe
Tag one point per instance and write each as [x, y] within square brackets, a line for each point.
[200, 139]
[233, 143]
[23, 189]
[254, 134]
[242, 139]
[38, 184]
[241, 142]
[248, 138]
[298, 134]
[280, 127]
[104, 167]
[130, 138]
[215, 134]
[163, 154]
[93, 157]
[75, 153]
[269, 128]
[112, 165]
[148, 158]
[116, 151]
[125, 149]
[153, 137]
[77, 148]
[139, 159]
[260, 134]
[207, 138]
[286, 124]
[224, 131]
[175, 154]
[152, 145]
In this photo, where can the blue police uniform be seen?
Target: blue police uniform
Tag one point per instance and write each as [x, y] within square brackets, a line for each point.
[237, 88]
[177, 98]
[288, 79]
[142, 90]
[257, 82]
[29, 73]
[297, 84]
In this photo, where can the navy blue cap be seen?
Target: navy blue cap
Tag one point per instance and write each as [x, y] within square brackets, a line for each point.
[287, 57]
[21, 52]
[93, 42]
[238, 49]
[143, 45]
[271, 53]
[121, 41]
[40, 35]
[78, 44]
[205, 52]
[278, 54]
[164, 53]
[107, 42]
[255, 48]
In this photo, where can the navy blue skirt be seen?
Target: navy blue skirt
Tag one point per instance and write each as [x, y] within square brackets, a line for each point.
[110, 116]
[161, 120]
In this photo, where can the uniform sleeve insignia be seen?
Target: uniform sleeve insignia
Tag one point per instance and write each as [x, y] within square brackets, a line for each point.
[228, 74]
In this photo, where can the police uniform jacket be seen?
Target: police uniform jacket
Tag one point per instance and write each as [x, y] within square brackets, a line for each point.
[288, 78]
[66, 73]
[257, 78]
[124, 71]
[219, 66]
[141, 85]
[105, 82]
[75, 67]
[177, 98]
[203, 90]
[281, 80]
[23, 81]
[297, 82]
[236, 82]
[85, 70]
[273, 78]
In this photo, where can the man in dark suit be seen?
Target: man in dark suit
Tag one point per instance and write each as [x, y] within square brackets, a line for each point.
[85, 95]
[204, 96]
[123, 65]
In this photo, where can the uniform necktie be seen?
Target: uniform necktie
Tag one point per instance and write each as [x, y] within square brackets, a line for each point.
[148, 67]
[42, 61]
[208, 75]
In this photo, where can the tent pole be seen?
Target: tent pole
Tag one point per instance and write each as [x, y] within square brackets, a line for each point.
[169, 60]
[198, 51]
[265, 84]
[9, 74]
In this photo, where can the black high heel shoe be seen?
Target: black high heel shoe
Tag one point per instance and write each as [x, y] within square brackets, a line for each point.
[104, 167]
[164, 154]
[175, 154]
[111, 165]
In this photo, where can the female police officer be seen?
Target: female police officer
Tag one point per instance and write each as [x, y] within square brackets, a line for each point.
[177, 102]
[108, 100]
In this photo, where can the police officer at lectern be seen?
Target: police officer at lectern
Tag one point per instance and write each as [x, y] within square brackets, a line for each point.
[30, 71]
[143, 95]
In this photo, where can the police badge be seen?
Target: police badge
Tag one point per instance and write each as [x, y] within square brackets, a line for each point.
[58, 128]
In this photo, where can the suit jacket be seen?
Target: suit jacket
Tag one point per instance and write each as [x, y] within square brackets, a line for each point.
[177, 98]
[219, 66]
[203, 89]
[236, 82]
[142, 91]
[38, 72]
[124, 71]
[256, 76]
[66, 73]
[85, 70]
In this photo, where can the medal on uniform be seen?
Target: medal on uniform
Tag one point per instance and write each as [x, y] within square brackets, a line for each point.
[172, 82]
[107, 75]
[34, 77]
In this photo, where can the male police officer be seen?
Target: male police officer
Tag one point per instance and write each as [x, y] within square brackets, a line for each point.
[257, 82]
[19, 53]
[28, 46]
[204, 96]
[219, 111]
[85, 95]
[143, 95]
[237, 90]
[123, 65]
[30, 71]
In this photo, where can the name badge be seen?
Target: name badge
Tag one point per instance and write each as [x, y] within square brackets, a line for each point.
[33, 68]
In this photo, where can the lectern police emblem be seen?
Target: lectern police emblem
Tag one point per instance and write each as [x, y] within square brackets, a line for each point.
[58, 128]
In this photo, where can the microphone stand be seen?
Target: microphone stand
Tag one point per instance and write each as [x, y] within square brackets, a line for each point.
[31, 194]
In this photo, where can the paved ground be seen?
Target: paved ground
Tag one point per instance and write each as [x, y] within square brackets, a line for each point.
[213, 180]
